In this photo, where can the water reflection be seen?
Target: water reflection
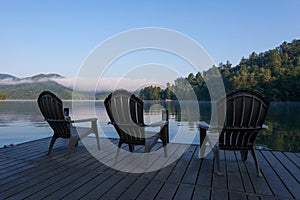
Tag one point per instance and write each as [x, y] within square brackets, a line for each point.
[284, 123]
[22, 121]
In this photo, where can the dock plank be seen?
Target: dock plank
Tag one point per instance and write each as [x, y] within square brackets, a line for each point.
[288, 164]
[167, 191]
[118, 189]
[151, 190]
[220, 182]
[181, 166]
[201, 193]
[294, 157]
[71, 187]
[164, 173]
[286, 178]
[234, 177]
[103, 187]
[246, 179]
[260, 185]
[135, 189]
[191, 174]
[87, 187]
[237, 196]
[206, 171]
[26, 172]
[272, 179]
[185, 191]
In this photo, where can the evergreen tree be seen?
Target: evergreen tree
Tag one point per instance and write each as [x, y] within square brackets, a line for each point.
[276, 73]
[2, 96]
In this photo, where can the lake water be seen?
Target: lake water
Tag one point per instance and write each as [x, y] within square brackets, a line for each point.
[21, 121]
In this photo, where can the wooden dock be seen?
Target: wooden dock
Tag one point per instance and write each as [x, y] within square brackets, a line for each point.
[26, 172]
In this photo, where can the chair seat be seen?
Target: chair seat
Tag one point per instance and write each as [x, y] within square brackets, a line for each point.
[151, 137]
[80, 131]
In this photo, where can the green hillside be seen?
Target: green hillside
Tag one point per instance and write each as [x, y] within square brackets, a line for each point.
[32, 90]
[275, 73]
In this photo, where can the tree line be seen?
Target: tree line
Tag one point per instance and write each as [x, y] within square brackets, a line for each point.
[275, 73]
[2, 96]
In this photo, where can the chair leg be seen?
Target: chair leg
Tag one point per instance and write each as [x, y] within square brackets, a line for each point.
[118, 151]
[98, 140]
[165, 151]
[51, 144]
[72, 143]
[217, 158]
[203, 140]
[164, 133]
[146, 158]
[203, 148]
[95, 130]
[131, 147]
[76, 144]
[165, 142]
[244, 154]
[256, 162]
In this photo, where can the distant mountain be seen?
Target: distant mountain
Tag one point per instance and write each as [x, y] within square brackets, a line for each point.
[7, 76]
[43, 77]
[38, 77]
[30, 87]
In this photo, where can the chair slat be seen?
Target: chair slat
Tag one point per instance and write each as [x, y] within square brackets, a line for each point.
[251, 107]
[233, 111]
[244, 109]
[125, 111]
[52, 109]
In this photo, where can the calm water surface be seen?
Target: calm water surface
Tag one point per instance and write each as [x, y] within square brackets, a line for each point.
[21, 121]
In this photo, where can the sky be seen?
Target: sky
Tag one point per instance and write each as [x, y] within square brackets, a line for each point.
[58, 36]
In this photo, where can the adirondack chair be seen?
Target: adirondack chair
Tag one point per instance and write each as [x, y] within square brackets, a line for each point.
[125, 111]
[58, 118]
[243, 112]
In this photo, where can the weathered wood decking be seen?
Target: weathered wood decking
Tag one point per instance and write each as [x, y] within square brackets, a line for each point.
[26, 172]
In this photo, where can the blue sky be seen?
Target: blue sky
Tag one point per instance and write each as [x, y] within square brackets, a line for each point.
[57, 36]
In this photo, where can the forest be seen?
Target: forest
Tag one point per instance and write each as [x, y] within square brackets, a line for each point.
[2, 96]
[275, 73]
[32, 91]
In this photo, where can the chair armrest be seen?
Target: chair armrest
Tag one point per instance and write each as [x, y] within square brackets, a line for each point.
[155, 124]
[129, 125]
[84, 120]
[204, 125]
[264, 126]
[110, 122]
[58, 120]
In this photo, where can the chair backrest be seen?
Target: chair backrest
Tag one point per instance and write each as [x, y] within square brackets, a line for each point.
[125, 111]
[244, 114]
[51, 108]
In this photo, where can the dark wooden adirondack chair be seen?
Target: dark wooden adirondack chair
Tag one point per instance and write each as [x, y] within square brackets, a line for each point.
[243, 112]
[52, 109]
[125, 111]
